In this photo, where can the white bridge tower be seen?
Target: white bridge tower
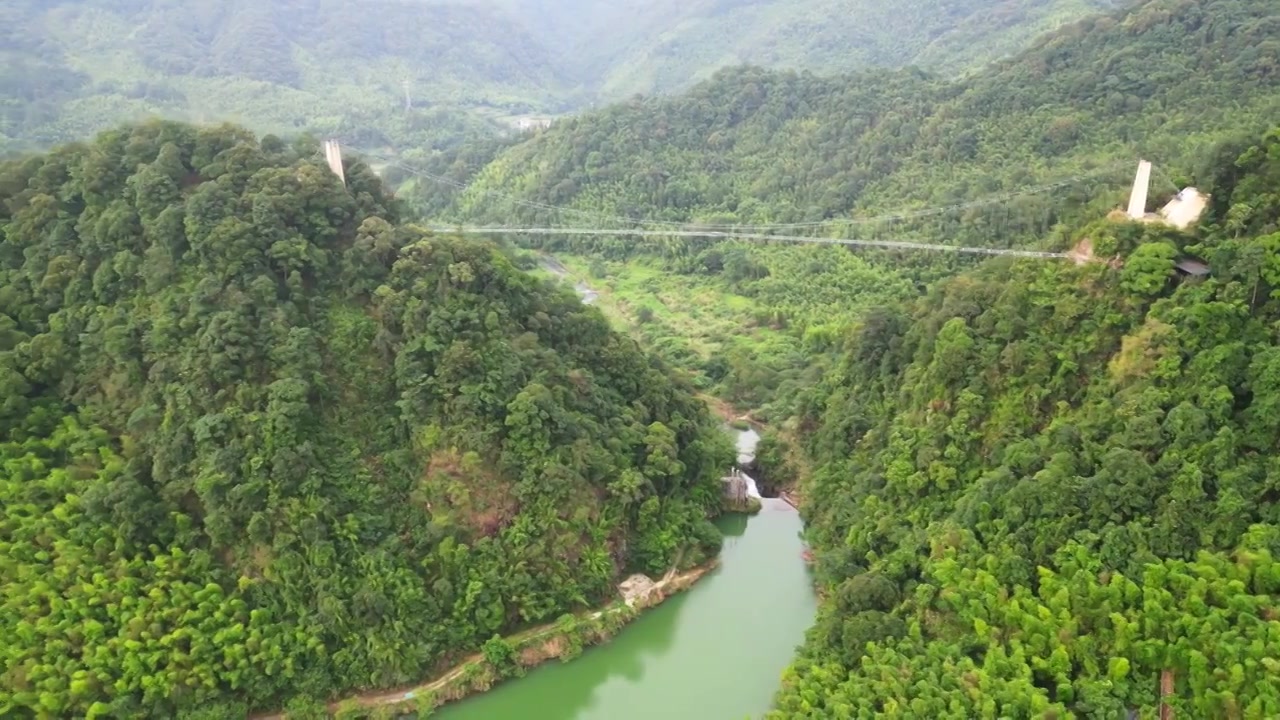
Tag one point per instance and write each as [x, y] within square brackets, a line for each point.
[1141, 185]
[333, 154]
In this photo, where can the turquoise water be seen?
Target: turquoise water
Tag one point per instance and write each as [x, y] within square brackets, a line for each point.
[715, 652]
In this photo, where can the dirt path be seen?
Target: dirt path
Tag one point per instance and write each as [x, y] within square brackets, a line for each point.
[725, 410]
[409, 694]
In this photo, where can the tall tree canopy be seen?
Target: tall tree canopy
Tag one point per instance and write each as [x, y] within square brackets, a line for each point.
[1060, 485]
[259, 440]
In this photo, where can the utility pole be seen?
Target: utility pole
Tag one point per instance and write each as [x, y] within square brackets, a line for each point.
[408, 99]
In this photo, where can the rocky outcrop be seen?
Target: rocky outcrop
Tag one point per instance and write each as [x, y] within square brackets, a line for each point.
[637, 589]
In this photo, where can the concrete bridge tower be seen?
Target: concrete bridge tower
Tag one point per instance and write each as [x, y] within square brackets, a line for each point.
[1141, 185]
[333, 154]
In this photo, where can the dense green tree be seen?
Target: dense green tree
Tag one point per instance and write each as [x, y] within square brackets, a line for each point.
[261, 443]
[1046, 516]
[1017, 154]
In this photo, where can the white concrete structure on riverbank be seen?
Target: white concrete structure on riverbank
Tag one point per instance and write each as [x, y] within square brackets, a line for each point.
[739, 486]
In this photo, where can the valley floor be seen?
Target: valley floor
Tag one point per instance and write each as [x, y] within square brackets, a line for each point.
[738, 350]
[719, 339]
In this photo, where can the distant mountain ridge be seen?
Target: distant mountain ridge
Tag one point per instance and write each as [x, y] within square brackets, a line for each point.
[668, 45]
[72, 67]
[280, 66]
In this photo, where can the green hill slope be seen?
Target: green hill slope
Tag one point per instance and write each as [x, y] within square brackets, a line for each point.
[1041, 488]
[977, 161]
[1162, 80]
[258, 442]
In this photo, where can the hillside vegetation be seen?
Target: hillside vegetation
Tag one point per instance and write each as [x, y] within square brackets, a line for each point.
[260, 443]
[1043, 487]
[1160, 80]
[1038, 489]
[977, 158]
[73, 67]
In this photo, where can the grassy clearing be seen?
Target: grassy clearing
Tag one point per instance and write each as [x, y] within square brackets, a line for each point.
[752, 325]
[693, 321]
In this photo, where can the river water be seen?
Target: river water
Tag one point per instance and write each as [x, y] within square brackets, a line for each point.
[747, 441]
[715, 652]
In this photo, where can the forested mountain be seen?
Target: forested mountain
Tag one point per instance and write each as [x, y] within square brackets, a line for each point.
[261, 443]
[1043, 489]
[73, 67]
[262, 440]
[1162, 79]
[977, 160]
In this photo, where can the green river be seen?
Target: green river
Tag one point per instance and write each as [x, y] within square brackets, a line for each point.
[715, 652]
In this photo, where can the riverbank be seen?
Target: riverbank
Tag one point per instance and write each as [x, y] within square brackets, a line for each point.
[734, 416]
[712, 653]
[512, 656]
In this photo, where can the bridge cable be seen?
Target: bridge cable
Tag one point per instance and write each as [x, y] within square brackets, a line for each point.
[893, 244]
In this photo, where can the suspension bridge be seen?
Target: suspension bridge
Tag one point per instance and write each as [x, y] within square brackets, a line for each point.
[731, 235]
[603, 225]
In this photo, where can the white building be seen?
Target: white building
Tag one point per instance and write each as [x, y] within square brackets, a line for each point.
[1181, 212]
[1185, 209]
